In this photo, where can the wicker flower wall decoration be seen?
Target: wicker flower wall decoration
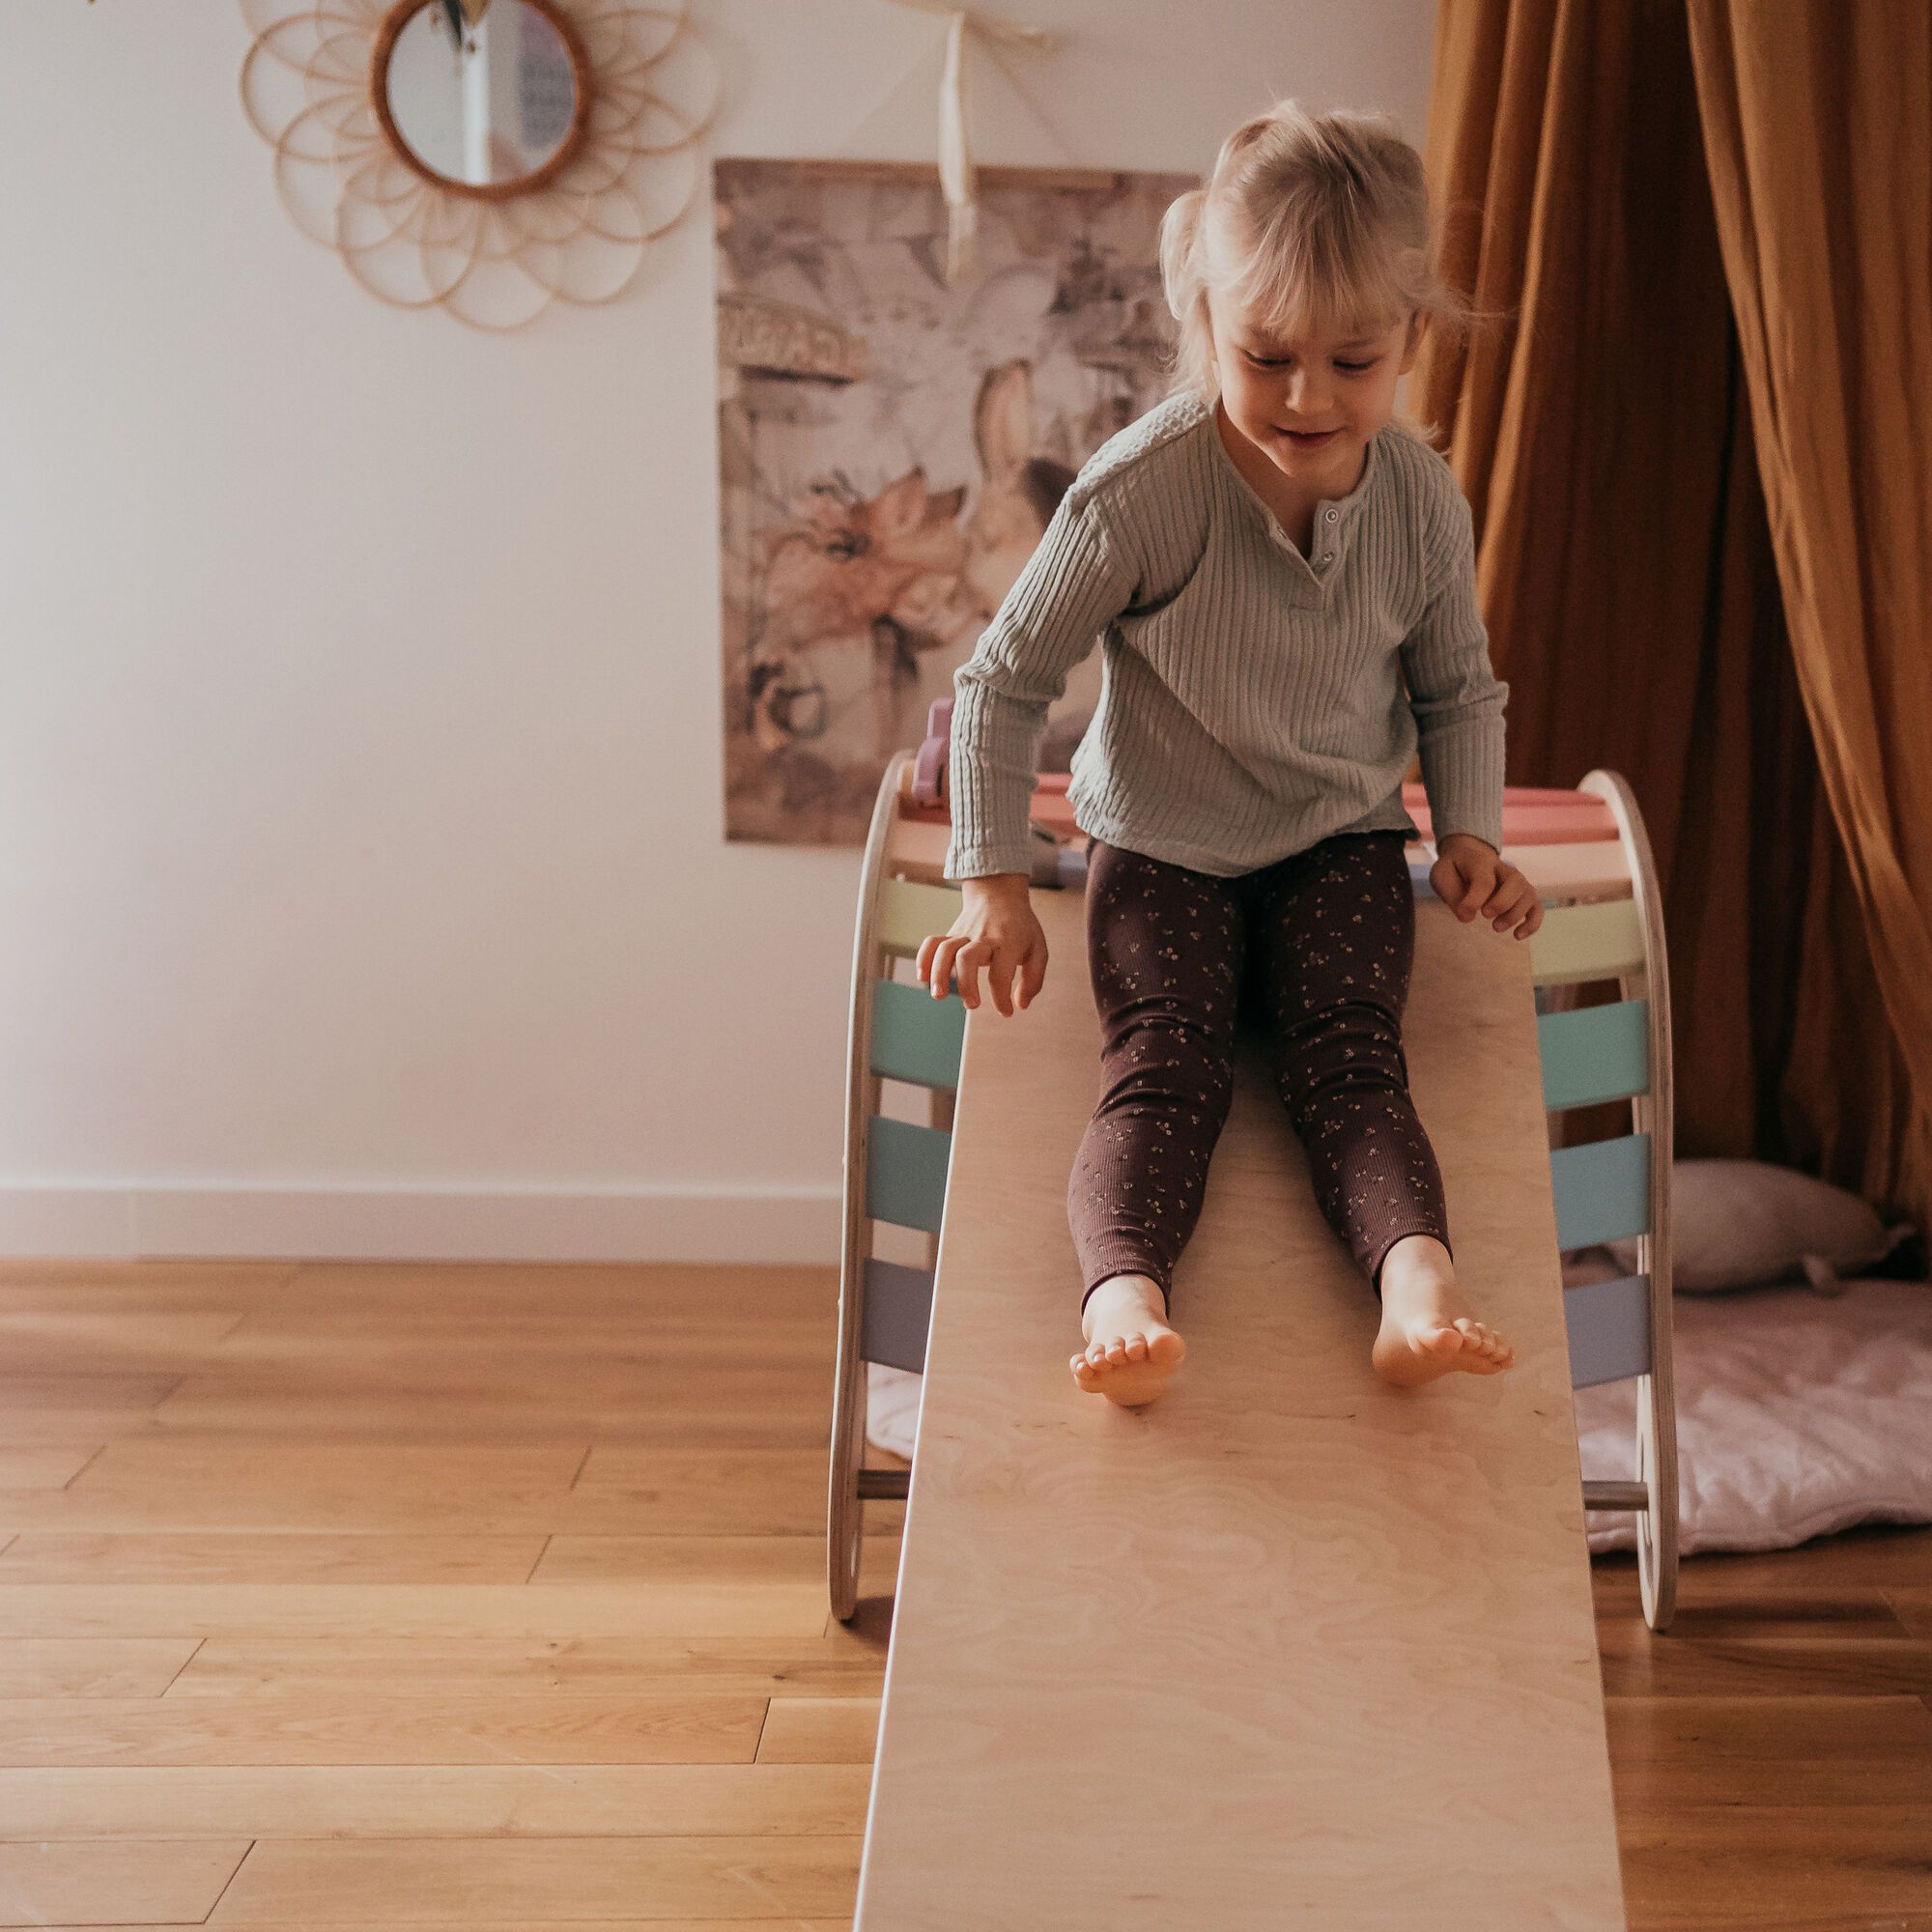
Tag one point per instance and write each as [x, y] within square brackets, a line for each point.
[487, 156]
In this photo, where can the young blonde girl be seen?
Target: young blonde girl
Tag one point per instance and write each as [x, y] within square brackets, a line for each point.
[1281, 575]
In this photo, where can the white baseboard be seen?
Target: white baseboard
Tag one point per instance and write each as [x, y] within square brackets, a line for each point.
[483, 1225]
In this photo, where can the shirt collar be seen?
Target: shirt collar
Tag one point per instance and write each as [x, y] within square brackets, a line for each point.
[1334, 516]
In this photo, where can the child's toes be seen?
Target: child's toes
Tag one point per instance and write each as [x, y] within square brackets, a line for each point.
[1137, 1348]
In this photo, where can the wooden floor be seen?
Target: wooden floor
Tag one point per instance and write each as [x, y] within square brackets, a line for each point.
[380, 1596]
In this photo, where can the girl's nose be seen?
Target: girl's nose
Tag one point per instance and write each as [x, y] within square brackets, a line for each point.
[1305, 396]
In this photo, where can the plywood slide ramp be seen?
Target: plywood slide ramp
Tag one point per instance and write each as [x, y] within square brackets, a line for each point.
[1290, 1647]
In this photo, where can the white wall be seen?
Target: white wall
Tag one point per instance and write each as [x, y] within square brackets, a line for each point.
[362, 881]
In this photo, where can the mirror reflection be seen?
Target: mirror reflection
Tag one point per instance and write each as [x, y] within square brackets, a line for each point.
[486, 102]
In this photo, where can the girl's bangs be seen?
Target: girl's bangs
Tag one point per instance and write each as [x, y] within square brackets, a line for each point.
[1304, 288]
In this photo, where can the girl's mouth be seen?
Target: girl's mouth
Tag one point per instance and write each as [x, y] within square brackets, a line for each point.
[1304, 439]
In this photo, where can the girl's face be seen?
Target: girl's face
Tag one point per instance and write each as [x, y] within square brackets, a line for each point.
[1311, 406]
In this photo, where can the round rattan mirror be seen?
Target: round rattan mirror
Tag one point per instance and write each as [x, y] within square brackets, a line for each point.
[491, 100]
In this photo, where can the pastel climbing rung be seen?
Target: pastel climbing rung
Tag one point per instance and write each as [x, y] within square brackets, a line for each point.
[1595, 1054]
[1604, 941]
[1540, 824]
[1602, 1190]
[897, 1314]
[1414, 793]
[905, 1173]
[915, 1038]
[1609, 1322]
[907, 912]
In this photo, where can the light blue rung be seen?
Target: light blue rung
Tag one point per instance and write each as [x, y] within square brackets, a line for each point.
[905, 1173]
[915, 1038]
[898, 1314]
[1609, 1329]
[1595, 1054]
[1602, 1190]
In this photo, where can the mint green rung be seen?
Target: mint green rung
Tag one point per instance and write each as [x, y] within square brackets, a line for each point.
[915, 1036]
[1594, 1054]
[1602, 1190]
[905, 1173]
[1604, 941]
[908, 911]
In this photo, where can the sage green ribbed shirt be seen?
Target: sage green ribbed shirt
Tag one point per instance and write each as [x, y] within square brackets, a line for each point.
[1252, 699]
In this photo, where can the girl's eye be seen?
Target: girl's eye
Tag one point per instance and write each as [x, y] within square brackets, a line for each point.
[1276, 362]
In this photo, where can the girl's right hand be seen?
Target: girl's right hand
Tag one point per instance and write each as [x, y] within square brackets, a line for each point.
[998, 929]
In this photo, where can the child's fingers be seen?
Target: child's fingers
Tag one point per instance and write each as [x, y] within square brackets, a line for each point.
[1508, 886]
[1000, 979]
[1033, 973]
[932, 973]
[1476, 883]
[943, 954]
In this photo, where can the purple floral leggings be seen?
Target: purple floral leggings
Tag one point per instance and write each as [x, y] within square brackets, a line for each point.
[1318, 948]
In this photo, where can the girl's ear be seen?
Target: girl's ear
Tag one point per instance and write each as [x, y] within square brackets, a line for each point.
[1418, 322]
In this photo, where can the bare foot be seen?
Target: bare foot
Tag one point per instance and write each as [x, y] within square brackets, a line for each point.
[1427, 1329]
[1131, 1352]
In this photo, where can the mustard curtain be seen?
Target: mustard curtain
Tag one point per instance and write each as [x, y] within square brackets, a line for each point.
[1817, 119]
[1602, 428]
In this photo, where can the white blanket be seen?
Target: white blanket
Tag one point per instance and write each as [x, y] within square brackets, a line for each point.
[1797, 1414]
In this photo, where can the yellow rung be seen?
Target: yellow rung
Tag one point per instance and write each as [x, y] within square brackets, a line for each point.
[908, 912]
[1587, 942]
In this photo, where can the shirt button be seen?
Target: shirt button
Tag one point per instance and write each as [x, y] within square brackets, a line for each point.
[1327, 556]
[1331, 515]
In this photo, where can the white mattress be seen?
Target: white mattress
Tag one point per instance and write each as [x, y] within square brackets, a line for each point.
[1797, 1414]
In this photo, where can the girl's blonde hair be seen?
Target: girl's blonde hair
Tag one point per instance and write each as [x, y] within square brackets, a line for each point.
[1308, 222]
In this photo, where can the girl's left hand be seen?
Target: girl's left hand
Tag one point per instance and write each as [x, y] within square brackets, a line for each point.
[1470, 876]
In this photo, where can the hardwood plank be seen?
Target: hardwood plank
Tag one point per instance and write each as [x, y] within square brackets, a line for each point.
[92, 1883]
[1743, 1663]
[679, 1729]
[45, 1468]
[445, 1882]
[83, 1282]
[374, 1800]
[568, 1295]
[1912, 1605]
[1871, 1555]
[409, 1611]
[783, 1924]
[191, 1483]
[131, 1341]
[277, 1557]
[786, 1923]
[1778, 1868]
[762, 1411]
[832, 1664]
[29, 1393]
[753, 1559]
[277, 1482]
[55, 1667]
[824, 1730]
[1668, 1752]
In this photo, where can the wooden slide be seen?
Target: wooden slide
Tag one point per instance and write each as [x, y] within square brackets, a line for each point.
[1290, 1647]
